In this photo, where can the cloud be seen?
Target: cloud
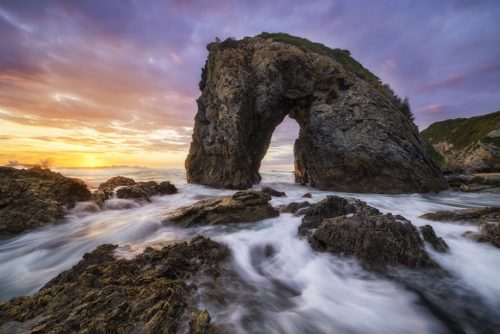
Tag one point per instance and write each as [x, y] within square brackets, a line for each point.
[434, 108]
[129, 69]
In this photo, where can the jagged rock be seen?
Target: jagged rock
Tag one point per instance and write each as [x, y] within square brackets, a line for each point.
[307, 195]
[127, 188]
[243, 206]
[116, 181]
[491, 232]
[102, 294]
[474, 183]
[31, 198]
[436, 242]
[487, 219]
[375, 239]
[331, 206]
[467, 145]
[273, 192]
[476, 215]
[295, 208]
[354, 134]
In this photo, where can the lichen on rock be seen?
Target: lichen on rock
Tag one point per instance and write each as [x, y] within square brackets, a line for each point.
[242, 207]
[353, 135]
[102, 294]
[34, 197]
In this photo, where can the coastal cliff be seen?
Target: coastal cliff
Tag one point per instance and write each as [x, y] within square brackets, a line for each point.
[355, 134]
[466, 144]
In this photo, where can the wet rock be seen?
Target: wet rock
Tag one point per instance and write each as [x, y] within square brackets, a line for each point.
[295, 208]
[102, 294]
[354, 134]
[31, 198]
[475, 215]
[125, 187]
[307, 195]
[243, 206]
[331, 206]
[273, 192]
[436, 242]
[491, 232]
[487, 219]
[474, 183]
[460, 308]
[116, 181]
[375, 239]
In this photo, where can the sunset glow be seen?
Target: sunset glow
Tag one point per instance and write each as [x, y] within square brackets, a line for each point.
[97, 83]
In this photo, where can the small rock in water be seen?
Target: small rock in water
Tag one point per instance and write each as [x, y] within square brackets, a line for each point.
[242, 207]
[307, 195]
[295, 208]
[436, 242]
[273, 192]
[127, 188]
[487, 219]
[475, 215]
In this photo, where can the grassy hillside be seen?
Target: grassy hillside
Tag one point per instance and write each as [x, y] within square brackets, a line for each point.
[462, 132]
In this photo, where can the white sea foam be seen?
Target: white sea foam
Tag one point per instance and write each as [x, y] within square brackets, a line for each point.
[283, 286]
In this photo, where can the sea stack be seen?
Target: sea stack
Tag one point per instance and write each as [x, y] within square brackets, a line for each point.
[355, 134]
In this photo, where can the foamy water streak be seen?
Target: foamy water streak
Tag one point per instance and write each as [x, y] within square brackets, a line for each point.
[282, 285]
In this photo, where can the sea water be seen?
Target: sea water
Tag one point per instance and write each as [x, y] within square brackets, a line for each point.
[293, 290]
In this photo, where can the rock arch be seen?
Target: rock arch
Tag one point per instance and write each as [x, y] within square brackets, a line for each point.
[353, 136]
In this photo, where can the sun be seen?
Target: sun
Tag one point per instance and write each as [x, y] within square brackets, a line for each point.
[91, 161]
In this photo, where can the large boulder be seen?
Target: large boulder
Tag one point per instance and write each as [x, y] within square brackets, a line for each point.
[101, 294]
[376, 240]
[351, 227]
[124, 187]
[355, 134]
[330, 207]
[242, 207]
[31, 198]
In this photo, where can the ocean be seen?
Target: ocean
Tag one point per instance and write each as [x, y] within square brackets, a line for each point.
[297, 290]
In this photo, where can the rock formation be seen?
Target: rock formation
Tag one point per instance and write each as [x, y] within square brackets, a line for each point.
[102, 294]
[242, 207]
[376, 240]
[330, 207]
[487, 220]
[436, 242]
[125, 187]
[351, 227]
[355, 135]
[466, 144]
[31, 198]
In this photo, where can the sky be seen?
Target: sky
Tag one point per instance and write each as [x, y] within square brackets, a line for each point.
[98, 82]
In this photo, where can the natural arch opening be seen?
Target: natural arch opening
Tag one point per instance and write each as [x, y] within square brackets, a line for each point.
[279, 156]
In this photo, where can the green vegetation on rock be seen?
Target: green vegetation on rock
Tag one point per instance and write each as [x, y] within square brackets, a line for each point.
[462, 132]
[344, 57]
[465, 144]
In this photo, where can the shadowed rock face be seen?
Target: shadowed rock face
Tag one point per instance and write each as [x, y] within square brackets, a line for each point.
[352, 136]
[151, 293]
[30, 198]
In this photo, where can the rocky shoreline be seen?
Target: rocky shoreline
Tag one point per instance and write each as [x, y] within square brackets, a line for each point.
[155, 291]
